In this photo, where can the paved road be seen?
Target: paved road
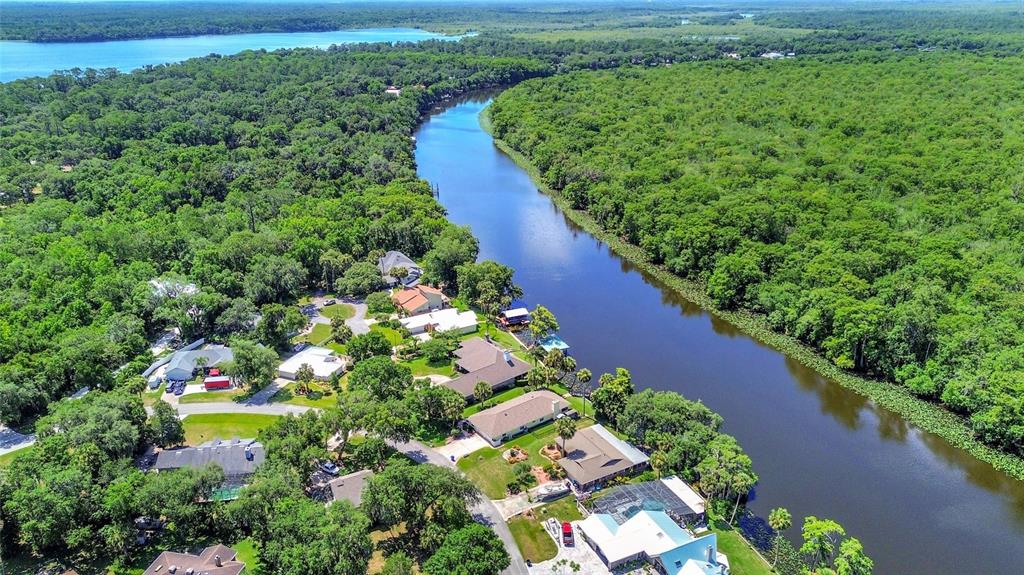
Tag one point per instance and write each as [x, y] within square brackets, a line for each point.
[11, 440]
[358, 320]
[484, 512]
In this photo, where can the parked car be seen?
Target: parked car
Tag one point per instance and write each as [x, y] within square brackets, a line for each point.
[299, 346]
[180, 389]
[567, 538]
[329, 467]
[330, 302]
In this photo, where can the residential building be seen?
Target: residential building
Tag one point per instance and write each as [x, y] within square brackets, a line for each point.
[479, 360]
[594, 456]
[670, 494]
[419, 299]
[517, 416]
[395, 259]
[185, 364]
[451, 319]
[350, 487]
[323, 361]
[652, 536]
[214, 560]
[239, 458]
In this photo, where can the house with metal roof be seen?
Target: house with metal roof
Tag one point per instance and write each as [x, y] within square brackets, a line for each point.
[480, 360]
[396, 259]
[517, 416]
[321, 360]
[451, 320]
[653, 537]
[184, 364]
[594, 455]
[214, 560]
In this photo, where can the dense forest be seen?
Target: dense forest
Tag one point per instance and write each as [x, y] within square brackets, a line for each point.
[232, 174]
[870, 207]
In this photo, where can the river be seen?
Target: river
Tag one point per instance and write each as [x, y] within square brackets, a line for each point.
[28, 59]
[919, 505]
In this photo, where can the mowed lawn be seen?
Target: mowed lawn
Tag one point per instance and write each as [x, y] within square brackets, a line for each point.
[339, 310]
[327, 400]
[212, 396]
[207, 426]
[489, 470]
[531, 538]
[501, 397]
[10, 456]
[742, 559]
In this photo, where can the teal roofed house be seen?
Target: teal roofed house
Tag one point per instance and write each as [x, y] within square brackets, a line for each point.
[552, 342]
[654, 537]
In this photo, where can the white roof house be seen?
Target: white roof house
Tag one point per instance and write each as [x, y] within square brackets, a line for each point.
[684, 492]
[653, 536]
[322, 360]
[450, 319]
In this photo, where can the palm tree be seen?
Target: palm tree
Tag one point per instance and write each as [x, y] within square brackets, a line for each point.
[584, 376]
[779, 519]
[741, 484]
[658, 462]
[304, 376]
[482, 391]
[566, 428]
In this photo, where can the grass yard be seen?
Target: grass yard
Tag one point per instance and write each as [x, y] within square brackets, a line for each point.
[204, 427]
[491, 473]
[533, 542]
[342, 310]
[391, 334]
[421, 367]
[742, 559]
[212, 396]
[10, 456]
[246, 549]
[319, 335]
[500, 398]
[327, 400]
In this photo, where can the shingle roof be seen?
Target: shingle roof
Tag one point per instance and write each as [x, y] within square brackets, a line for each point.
[594, 454]
[229, 455]
[515, 413]
[171, 563]
[394, 259]
[484, 362]
[187, 359]
[350, 487]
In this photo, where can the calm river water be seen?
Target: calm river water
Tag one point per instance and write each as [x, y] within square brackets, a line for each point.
[919, 505]
[27, 59]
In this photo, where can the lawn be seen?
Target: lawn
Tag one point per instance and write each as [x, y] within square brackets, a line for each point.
[500, 398]
[742, 559]
[391, 334]
[204, 427]
[491, 473]
[319, 335]
[246, 549]
[10, 456]
[327, 400]
[421, 367]
[212, 396]
[341, 310]
[535, 544]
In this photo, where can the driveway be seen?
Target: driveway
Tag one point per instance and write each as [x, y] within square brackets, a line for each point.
[484, 512]
[580, 553]
[462, 447]
[358, 321]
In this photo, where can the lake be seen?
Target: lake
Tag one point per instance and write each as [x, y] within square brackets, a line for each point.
[27, 59]
[920, 506]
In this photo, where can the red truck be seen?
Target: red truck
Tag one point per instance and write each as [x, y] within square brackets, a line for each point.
[567, 539]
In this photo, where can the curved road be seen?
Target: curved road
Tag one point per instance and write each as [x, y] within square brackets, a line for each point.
[485, 512]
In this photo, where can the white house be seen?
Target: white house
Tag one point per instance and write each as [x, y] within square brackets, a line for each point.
[449, 319]
[322, 360]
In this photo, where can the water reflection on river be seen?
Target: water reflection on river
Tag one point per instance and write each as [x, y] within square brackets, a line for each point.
[919, 505]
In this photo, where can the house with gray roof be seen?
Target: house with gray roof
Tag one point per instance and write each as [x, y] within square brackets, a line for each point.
[395, 259]
[480, 360]
[350, 487]
[183, 364]
[239, 458]
[517, 416]
[594, 455]
[214, 560]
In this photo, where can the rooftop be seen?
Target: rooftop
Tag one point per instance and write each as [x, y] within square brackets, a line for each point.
[669, 494]
[517, 412]
[214, 560]
[187, 359]
[230, 455]
[394, 259]
[350, 487]
[484, 361]
[441, 320]
[594, 454]
[655, 534]
[322, 360]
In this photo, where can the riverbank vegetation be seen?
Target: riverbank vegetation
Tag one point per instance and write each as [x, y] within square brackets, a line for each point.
[829, 214]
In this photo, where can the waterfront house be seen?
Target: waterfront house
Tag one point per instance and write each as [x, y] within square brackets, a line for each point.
[515, 317]
[479, 360]
[517, 416]
[653, 537]
[451, 320]
[669, 494]
[594, 455]
[419, 299]
[395, 259]
[214, 560]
